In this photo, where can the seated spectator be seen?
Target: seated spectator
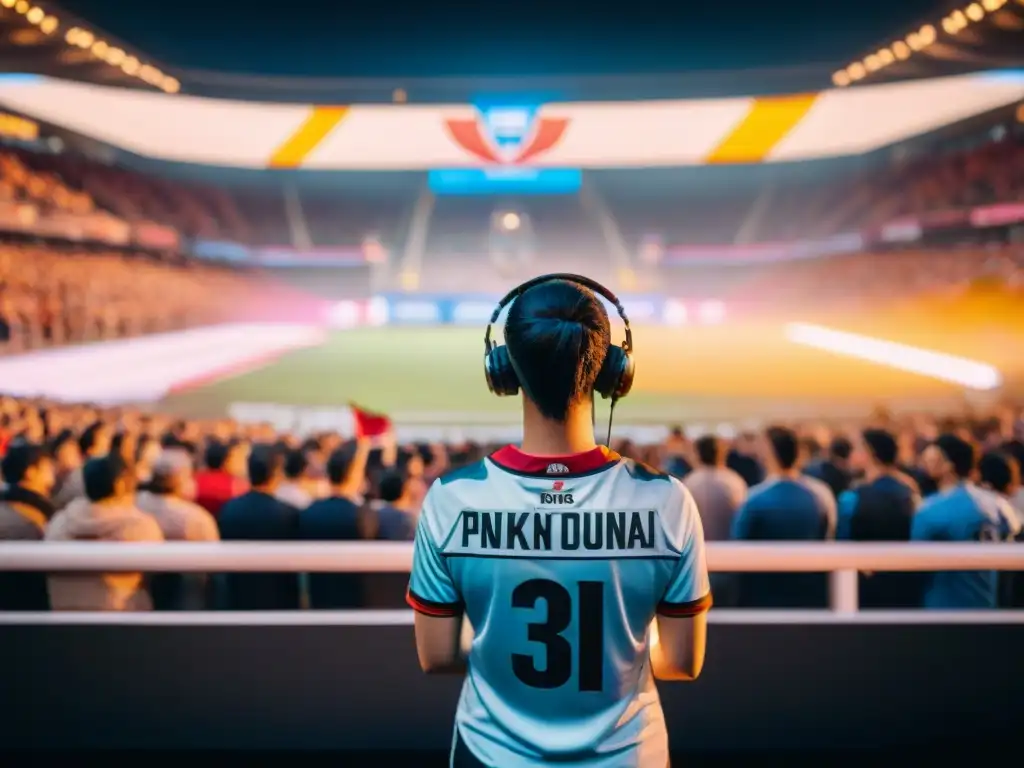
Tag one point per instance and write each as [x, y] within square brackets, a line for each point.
[25, 510]
[108, 513]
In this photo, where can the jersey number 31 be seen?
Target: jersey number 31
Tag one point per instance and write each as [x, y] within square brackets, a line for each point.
[550, 633]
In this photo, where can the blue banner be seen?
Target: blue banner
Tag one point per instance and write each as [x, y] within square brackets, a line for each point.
[505, 179]
[476, 309]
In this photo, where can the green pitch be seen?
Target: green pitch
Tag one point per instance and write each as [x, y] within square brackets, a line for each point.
[435, 376]
[417, 375]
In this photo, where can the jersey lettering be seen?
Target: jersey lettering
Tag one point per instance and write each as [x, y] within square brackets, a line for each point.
[624, 533]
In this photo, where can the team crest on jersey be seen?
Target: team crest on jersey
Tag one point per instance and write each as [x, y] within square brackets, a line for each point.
[507, 135]
[557, 469]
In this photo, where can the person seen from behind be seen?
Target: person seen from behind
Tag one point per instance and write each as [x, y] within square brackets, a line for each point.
[562, 585]
[961, 511]
[107, 513]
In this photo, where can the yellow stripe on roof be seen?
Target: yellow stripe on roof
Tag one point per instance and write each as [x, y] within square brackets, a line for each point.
[307, 137]
[764, 126]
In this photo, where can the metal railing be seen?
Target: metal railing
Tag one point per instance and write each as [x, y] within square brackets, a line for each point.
[843, 560]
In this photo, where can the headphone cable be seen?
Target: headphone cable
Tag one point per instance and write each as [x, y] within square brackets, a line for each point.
[611, 415]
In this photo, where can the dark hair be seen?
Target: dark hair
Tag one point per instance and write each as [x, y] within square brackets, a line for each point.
[557, 335]
[709, 450]
[392, 485]
[339, 463]
[265, 460]
[959, 452]
[785, 446]
[295, 463]
[882, 446]
[21, 456]
[88, 438]
[1014, 448]
[216, 454]
[58, 441]
[840, 448]
[100, 475]
[999, 471]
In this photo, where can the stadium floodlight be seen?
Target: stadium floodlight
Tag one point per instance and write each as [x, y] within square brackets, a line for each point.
[936, 365]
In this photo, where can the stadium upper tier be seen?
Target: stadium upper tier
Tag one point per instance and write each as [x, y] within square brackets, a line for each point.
[656, 133]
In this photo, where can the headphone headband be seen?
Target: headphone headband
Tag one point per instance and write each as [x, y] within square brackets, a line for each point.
[586, 282]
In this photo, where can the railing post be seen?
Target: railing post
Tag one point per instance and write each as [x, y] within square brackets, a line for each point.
[843, 591]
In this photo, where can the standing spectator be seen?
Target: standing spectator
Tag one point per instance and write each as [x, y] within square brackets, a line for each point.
[25, 510]
[94, 442]
[298, 488]
[338, 518]
[881, 508]
[67, 459]
[743, 459]
[960, 511]
[834, 470]
[1000, 474]
[107, 513]
[224, 476]
[396, 519]
[719, 493]
[788, 506]
[258, 516]
[166, 498]
[1015, 449]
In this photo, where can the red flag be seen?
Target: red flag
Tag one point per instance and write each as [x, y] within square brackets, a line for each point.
[368, 423]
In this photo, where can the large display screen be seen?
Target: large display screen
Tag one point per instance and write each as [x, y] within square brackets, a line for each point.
[503, 179]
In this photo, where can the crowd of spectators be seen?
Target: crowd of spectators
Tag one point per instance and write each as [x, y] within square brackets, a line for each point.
[50, 297]
[78, 472]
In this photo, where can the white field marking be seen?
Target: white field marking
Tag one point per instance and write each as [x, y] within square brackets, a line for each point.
[147, 368]
[937, 365]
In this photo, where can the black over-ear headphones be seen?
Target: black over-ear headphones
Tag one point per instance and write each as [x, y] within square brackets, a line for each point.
[616, 376]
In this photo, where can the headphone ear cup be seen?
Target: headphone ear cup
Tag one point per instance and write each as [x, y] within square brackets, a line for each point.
[615, 378]
[501, 376]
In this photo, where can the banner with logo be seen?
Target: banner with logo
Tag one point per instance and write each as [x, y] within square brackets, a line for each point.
[552, 135]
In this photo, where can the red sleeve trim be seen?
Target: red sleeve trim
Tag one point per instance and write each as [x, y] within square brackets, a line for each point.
[430, 608]
[684, 610]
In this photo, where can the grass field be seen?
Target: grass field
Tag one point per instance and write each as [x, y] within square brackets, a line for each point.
[733, 372]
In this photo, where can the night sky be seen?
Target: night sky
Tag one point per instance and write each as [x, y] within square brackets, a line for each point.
[390, 39]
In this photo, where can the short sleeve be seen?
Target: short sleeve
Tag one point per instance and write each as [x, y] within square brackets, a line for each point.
[431, 589]
[847, 507]
[689, 591]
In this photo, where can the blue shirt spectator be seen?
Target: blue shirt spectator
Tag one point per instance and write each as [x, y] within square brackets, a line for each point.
[960, 511]
[786, 507]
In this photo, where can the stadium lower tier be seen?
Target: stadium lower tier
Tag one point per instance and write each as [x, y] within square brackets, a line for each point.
[351, 681]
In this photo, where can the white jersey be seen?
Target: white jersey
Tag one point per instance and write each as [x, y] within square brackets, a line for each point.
[560, 564]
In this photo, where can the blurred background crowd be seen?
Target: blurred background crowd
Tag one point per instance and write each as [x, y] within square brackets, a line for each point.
[76, 473]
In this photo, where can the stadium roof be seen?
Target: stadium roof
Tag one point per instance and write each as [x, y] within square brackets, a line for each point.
[338, 53]
[40, 38]
[952, 37]
[960, 36]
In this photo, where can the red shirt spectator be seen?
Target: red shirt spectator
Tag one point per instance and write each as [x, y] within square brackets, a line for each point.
[221, 481]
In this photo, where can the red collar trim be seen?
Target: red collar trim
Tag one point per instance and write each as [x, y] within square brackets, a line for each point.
[513, 459]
